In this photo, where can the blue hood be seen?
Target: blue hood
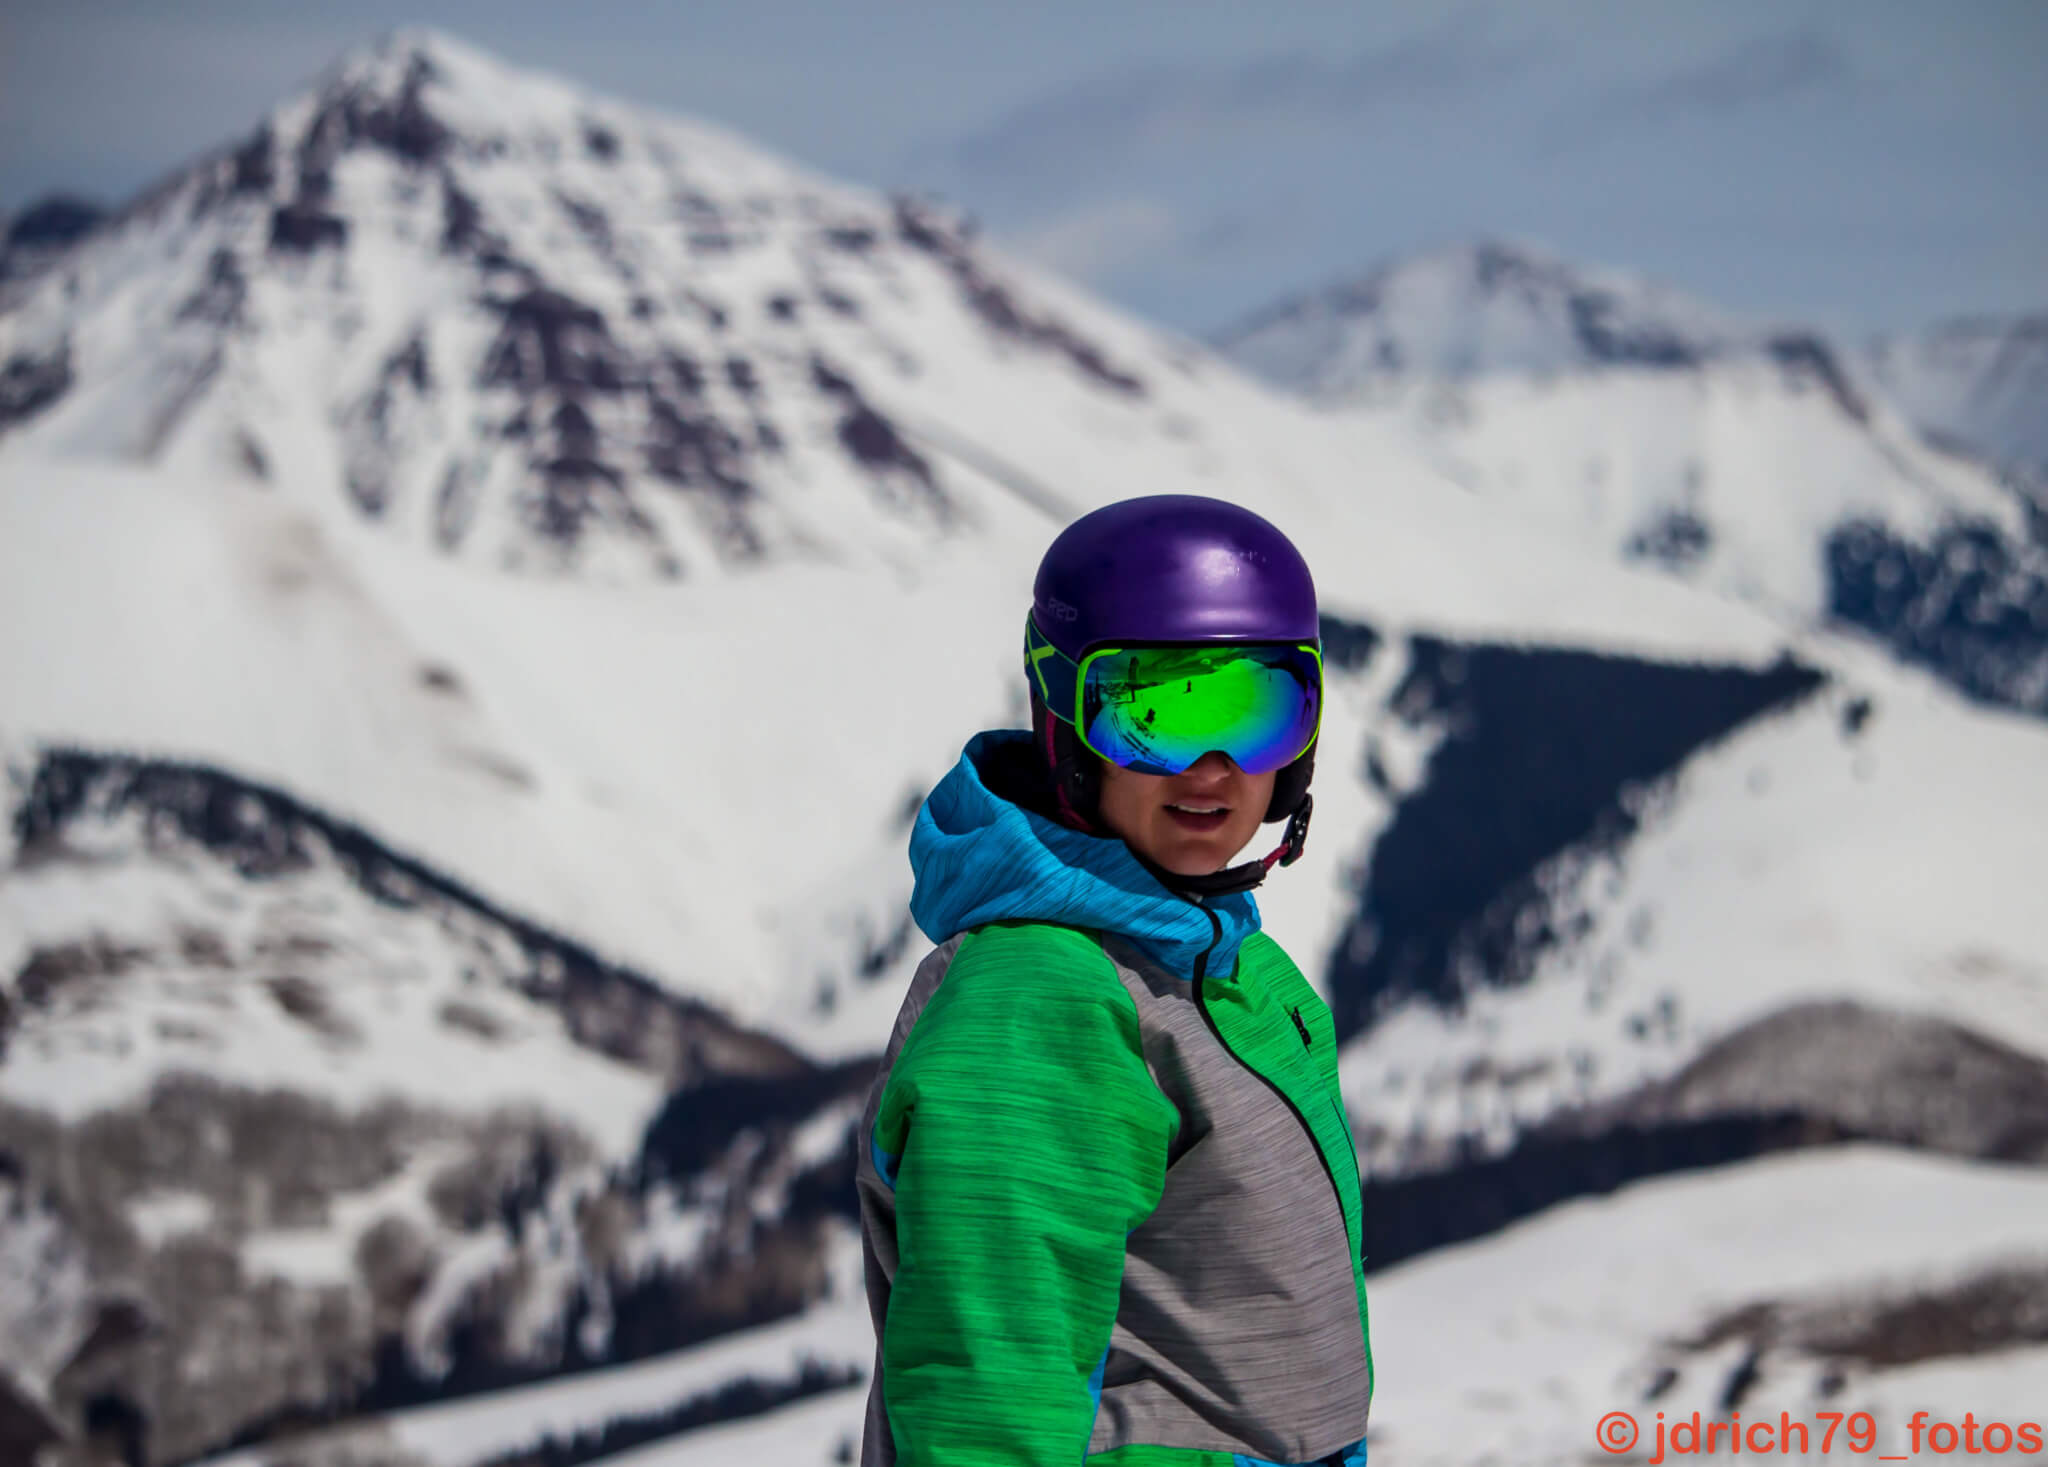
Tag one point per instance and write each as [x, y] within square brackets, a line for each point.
[980, 857]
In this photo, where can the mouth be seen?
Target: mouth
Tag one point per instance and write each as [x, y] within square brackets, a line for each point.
[1198, 817]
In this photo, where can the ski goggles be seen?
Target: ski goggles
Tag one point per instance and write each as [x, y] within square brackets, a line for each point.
[1158, 709]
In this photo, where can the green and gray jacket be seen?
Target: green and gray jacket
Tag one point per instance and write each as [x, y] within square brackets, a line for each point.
[1109, 1203]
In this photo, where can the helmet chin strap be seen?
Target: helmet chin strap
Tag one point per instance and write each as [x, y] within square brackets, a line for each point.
[1241, 877]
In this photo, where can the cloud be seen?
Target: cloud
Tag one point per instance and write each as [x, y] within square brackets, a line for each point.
[1761, 70]
[1096, 124]
[1097, 240]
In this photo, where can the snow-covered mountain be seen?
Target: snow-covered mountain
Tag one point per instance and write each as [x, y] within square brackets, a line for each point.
[457, 294]
[1471, 311]
[486, 574]
[596, 742]
[1978, 385]
[1623, 892]
[1757, 460]
[1511, 1350]
[297, 1125]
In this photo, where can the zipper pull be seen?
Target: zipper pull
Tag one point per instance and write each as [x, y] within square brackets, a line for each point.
[1306, 1042]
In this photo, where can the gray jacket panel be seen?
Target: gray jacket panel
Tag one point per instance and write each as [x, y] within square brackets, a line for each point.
[1238, 1328]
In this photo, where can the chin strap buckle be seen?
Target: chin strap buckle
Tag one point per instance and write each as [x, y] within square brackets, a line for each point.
[1297, 830]
[1296, 840]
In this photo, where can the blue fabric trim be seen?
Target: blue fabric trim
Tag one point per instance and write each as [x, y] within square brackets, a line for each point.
[1095, 1377]
[979, 858]
[885, 1161]
[1354, 1456]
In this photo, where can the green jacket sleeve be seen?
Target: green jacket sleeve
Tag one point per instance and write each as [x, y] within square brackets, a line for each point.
[1028, 1139]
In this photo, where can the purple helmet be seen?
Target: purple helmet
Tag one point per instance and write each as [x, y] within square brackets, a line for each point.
[1172, 568]
[1167, 568]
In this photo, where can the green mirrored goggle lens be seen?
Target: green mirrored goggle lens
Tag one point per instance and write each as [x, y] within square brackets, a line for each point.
[1158, 710]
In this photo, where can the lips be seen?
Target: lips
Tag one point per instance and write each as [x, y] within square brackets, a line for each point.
[1198, 818]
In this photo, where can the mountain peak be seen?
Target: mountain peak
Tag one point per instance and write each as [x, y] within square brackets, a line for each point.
[534, 325]
[402, 45]
[406, 55]
[1471, 309]
[424, 95]
[473, 93]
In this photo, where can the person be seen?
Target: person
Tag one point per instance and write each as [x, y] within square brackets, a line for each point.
[1109, 1202]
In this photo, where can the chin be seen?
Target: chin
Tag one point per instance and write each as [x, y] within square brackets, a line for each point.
[1199, 862]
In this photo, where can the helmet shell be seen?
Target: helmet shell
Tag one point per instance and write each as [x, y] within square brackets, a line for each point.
[1172, 568]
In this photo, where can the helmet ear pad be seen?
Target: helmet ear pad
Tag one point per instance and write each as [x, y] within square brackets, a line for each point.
[1077, 773]
[1290, 786]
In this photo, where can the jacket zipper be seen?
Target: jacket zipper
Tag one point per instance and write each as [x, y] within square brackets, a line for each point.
[1201, 974]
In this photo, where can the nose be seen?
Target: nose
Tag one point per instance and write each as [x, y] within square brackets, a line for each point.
[1213, 766]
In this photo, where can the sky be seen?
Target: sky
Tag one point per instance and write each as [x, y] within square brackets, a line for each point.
[1863, 165]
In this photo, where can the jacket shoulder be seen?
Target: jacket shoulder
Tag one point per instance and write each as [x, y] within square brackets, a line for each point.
[1043, 1004]
[1051, 957]
[1023, 984]
[1263, 961]
[1260, 955]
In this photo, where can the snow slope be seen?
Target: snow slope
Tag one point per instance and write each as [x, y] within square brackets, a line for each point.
[1858, 847]
[1511, 1349]
[835, 1334]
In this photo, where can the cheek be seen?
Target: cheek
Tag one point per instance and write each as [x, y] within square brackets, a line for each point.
[1255, 806]
[1125, 804]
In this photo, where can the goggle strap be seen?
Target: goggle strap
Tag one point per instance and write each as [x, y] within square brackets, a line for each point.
[1062, 675]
